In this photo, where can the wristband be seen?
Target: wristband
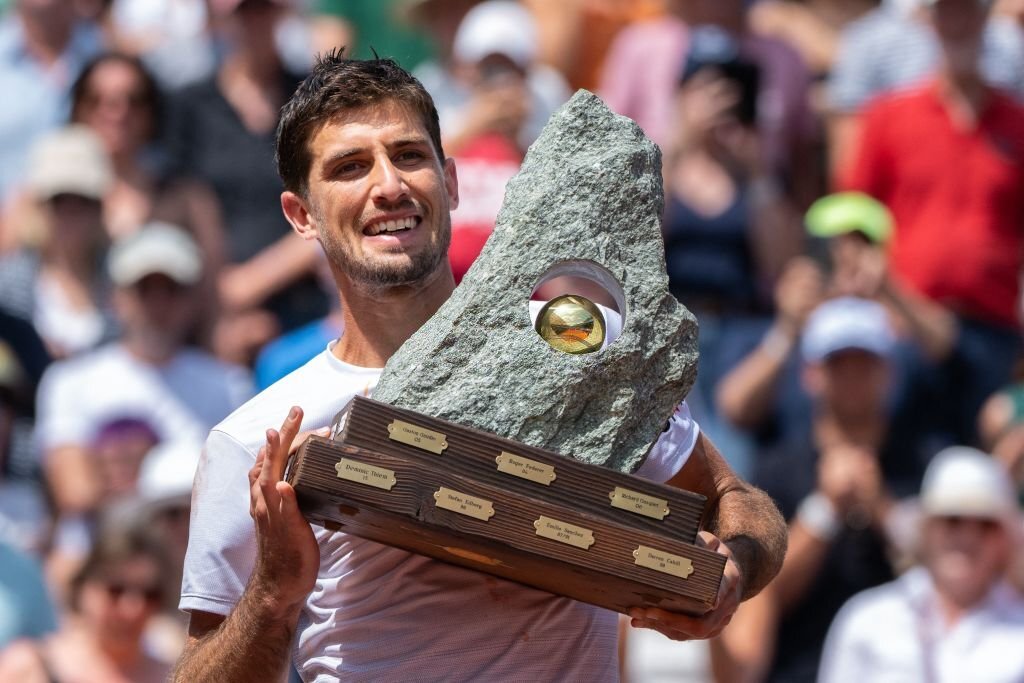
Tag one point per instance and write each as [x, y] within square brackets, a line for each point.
[818, 515]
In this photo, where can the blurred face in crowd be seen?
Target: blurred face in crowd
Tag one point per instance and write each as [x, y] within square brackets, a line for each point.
[75, 222]
[157, 310]
[58, 15]
[379, 197]
[119, 450]
[966, 556]
[959, 25]
[852, 383]
[251, 25]
[115, 104]
[120, 598]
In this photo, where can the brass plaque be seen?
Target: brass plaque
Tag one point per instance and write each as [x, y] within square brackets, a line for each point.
[524, 468]
[564, 532]
[640, 503]
[660, 561]
[464, 504]
[361, 473]
[412, 435]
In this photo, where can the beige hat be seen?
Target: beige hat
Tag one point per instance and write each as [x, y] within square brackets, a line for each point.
[71, 160]
[156, 248]
[497, 27]
[964, 482]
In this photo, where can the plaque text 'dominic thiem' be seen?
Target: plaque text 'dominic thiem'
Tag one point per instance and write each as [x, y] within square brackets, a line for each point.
[564, 532]
[640, 503]
[361, 473]
[419, 437]
[524, 468]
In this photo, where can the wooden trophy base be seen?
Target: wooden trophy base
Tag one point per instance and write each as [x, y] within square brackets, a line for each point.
[477, 500]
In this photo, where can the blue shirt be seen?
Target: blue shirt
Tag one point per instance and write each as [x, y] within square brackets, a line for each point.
[36, 96]
[293, 350]
[25, 607]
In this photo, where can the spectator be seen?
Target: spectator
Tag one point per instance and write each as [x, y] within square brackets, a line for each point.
[947, 157]
[114, 596]
[728, 227]
[812, 28]
[849, 230]
[42, 47]
[56, 279]
[837, 484]
[145, 388]
[892, 48]
[117, 98]
[642, 73]
[221, 131]
[170, 36]
[493, 99]
[954, 618]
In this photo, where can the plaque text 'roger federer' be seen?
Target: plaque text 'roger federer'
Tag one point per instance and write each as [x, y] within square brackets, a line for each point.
[524, 468]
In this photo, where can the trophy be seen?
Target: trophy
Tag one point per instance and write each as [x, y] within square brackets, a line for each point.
[502, 436]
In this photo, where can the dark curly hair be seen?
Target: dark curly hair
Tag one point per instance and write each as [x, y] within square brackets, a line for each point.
[335, 85]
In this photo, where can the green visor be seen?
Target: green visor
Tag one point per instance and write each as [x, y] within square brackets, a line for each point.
[845, 212]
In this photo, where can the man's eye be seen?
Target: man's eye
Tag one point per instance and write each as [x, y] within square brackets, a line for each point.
[347, 168]
[410, 156]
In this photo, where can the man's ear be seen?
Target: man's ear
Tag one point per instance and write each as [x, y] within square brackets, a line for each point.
[451, 183]
[299, 215]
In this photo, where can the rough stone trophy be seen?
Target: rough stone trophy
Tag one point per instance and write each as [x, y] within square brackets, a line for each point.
[493, 447]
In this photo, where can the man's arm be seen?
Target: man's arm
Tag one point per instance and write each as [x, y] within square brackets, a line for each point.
[254, 641]
[743, 524]
[742, 516]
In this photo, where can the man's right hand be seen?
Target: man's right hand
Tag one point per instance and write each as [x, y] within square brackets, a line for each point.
[288, 557]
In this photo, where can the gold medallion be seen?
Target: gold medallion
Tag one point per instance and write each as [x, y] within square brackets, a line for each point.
[571, 323]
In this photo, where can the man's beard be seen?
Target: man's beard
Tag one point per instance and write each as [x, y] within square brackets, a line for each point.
[384, 272]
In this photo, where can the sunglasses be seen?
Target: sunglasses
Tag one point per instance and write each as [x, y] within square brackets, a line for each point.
[985, 524]
[154, 595]
[135, 100]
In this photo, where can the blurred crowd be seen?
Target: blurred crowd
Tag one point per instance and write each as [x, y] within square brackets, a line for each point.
[844, 214]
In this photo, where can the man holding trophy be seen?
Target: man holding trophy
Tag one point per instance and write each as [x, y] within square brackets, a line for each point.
[360, 154]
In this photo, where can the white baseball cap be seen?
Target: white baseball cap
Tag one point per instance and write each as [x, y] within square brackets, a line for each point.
[497, 27]
[965, 482]
[847, 323]
[71, 160]
[156, 248]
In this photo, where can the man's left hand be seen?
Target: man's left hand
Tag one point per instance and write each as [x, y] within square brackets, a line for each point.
[682, 627]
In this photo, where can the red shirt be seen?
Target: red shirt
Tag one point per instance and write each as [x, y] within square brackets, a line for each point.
[957, 196]
[484, 167]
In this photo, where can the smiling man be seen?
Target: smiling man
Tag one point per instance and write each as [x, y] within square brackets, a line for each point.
[360, 153]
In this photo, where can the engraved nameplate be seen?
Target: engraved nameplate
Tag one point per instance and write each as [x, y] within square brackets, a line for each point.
[637, 502]
[524, 468]
[361, 473]
[660, 561]
[417, 436]
[464, 504]
[564, 532]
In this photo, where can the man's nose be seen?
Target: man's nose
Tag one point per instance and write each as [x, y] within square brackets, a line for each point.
[388, 183]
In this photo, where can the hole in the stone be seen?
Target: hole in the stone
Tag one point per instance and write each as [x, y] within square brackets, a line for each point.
[566, 306]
